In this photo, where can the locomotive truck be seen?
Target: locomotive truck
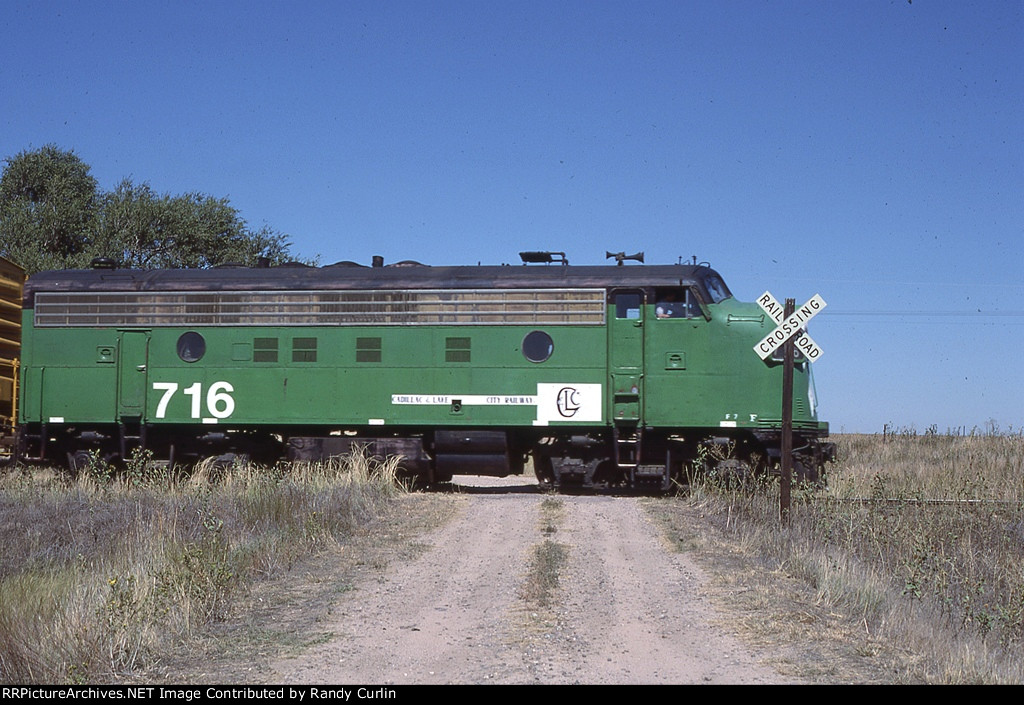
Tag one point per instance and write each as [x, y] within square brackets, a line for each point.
[605, 375]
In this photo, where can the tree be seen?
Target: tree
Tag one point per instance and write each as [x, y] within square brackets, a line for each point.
[48, 209]
[144, 230]
[53, 217]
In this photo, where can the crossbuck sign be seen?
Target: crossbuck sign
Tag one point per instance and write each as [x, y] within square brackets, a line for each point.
[792, 326]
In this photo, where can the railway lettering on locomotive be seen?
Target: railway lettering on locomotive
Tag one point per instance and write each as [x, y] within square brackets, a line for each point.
[599, 375]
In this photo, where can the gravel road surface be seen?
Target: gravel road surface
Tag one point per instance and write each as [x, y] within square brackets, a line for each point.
[626, 609]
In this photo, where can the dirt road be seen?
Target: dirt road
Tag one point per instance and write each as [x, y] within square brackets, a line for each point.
[626, 608]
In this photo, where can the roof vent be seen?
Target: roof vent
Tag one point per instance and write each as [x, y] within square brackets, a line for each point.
[345, 263]
[543, 257]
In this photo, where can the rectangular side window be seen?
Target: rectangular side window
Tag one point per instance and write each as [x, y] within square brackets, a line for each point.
[627, 305]
[303, 349]
[368, 349]
[676, 303]
[457, 350]
[264, 350]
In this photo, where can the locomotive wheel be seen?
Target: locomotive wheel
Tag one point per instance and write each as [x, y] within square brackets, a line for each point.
[807, 473]
[216, 467]
[544, 471]
[78, 462]
[83, 461]
[609, 475]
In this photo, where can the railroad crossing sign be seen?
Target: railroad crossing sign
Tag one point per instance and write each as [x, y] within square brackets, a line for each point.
[792, 326]
[788, 333]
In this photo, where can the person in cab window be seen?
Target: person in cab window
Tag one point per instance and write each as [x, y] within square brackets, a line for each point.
[670, 307]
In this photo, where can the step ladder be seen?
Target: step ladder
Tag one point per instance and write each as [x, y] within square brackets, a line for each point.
[132, 435]
[628, 449]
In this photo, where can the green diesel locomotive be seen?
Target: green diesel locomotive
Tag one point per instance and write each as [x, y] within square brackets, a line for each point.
[603, 375]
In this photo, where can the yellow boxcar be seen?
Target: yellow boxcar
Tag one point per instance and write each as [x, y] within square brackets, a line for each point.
[12, 281]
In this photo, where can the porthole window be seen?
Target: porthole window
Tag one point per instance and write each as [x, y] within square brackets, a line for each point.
[191, 346]
[538, 346]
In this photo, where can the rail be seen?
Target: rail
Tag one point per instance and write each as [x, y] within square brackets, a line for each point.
[919, 501]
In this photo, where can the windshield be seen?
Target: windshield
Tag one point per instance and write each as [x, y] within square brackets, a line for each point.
[716, 288]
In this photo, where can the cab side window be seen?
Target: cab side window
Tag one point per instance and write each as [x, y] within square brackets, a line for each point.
[676, 303]
[627, 305]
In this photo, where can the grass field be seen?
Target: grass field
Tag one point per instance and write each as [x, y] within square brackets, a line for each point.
[917, 543]
[99, 575]
[918, 537]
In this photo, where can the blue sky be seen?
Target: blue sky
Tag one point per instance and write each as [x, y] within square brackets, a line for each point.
[871, 151]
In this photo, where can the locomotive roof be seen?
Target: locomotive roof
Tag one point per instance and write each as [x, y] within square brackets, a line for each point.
[356, 277]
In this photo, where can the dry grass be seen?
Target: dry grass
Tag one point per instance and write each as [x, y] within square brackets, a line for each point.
[547, 560]
[905, 466]
[938, 586]
[99, 575]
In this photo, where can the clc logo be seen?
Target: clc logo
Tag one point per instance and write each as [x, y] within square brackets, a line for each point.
[568, 402]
